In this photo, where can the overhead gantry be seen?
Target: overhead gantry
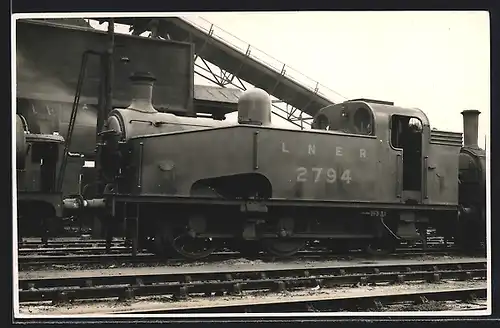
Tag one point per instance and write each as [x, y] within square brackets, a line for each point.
[220, 60]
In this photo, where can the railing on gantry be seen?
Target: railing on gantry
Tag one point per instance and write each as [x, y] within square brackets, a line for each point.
[263, 58]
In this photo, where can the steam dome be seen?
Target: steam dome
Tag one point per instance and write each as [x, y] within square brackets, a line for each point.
[254, 107]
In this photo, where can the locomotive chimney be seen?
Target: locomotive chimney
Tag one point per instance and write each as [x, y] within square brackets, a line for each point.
[142, 92]
[471, 123]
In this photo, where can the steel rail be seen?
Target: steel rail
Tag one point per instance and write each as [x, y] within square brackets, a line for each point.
[66, 244]
[87, 259]
[94, 246]
[339, 303]
[78, 241]
[57, 251]
[180, 285]
[95, 250]
[431, 242]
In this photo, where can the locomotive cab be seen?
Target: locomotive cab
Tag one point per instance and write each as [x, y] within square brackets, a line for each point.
[37, 157]
[417, 166]
[406, 134]
[408, 131]
[38, 201]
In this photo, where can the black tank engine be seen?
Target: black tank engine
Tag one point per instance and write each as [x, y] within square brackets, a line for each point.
[369, 174]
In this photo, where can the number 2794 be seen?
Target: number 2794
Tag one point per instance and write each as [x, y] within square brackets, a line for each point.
[317, 174]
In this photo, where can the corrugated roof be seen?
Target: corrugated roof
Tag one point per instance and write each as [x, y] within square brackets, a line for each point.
[217, 94]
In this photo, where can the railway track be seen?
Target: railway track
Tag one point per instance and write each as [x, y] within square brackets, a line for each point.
[61, 247]
[236, 282]
[67, 242]
[337, 304]
[58, 251]
[120, 249]
[34, 261]
[75, 244]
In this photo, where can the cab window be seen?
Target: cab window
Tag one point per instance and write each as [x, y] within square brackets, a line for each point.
[363, 122]
[403, 128]
[322, 123]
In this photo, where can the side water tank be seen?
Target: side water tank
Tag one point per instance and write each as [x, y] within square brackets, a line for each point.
[254, 107]
[20, 143]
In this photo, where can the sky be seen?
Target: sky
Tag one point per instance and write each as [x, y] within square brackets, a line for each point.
[436, 61]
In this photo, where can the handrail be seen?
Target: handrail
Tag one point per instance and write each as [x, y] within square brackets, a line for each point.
[261, 57]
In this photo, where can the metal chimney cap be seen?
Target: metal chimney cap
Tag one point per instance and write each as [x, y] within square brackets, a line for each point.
[142, 76]
[470, 111]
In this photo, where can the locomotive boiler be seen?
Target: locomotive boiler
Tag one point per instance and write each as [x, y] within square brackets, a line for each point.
[369, 174]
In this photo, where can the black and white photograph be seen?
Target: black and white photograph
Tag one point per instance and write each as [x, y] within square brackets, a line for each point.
[251, 164]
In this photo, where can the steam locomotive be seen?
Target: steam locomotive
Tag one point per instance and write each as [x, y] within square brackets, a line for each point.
[369, 174]
[39, 203]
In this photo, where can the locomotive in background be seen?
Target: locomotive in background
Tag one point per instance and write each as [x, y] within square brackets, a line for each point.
[39, 203]
[369, 174]
[48, 59]
[472, 185]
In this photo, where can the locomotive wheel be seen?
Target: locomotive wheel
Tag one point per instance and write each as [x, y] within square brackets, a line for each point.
[283, 247]
[191, 248]
[183, 244]
[172, 241]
